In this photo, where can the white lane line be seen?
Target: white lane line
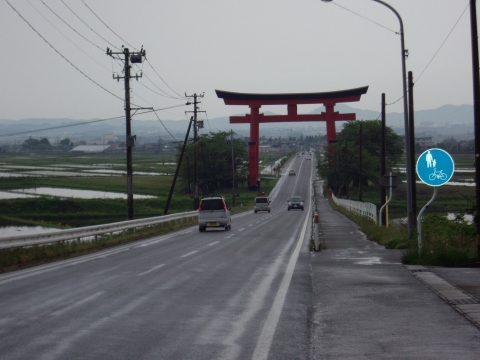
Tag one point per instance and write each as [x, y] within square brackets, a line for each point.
[163, 238]
[150, 270]
[250, 225]
[241, 229]
[78, 303]
[229, 236]
[213, 243]
[190, 253]
[264, 343]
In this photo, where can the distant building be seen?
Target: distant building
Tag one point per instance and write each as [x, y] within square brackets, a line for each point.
[449, 141]
[108, 137]
[425, 142]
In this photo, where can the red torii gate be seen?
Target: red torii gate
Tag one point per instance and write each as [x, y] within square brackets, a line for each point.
[255, 102]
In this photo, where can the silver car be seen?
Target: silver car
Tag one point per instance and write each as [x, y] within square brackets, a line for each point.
[261, 203]
[214, 212]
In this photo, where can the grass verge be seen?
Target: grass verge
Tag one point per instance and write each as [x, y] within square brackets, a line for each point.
[444, 242]
[24, 257]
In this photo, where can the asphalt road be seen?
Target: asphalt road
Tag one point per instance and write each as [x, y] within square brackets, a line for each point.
[239, 294]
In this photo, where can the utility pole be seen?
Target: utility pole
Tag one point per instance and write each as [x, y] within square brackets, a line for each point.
[165, 212]
[360, 165]
[383, 192]
[233, 169]
[411, 129]
[133, 57]
[476, 111]
[196, 125]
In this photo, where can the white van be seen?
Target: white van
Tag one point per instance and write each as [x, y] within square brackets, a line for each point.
[214, 212]
[261, 203]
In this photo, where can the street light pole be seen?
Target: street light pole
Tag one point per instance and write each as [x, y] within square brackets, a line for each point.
[408, 162]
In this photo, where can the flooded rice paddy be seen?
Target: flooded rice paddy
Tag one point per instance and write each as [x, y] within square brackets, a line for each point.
[7, 231]
[65, 192]
[69, 171]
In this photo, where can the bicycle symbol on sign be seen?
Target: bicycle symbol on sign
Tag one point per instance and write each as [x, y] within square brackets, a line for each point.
[437, 175]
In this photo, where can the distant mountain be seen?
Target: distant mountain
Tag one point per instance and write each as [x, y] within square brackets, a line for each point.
[444, 115]
[445, 121]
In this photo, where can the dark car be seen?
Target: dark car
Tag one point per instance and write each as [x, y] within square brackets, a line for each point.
[295, 202]
[291, 173]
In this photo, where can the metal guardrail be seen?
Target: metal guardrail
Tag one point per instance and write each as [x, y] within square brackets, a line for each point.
[361, 208]
[89, 231]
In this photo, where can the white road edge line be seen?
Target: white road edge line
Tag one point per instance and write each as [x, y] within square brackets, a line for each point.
[264, 342]
[150, 270]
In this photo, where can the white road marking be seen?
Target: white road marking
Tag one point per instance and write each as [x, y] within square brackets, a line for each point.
[229, 236]
[78, 303]
[241, 229]
[152, 269]
[213, 243]
[163, 238]
[264, 343]
[190, 253]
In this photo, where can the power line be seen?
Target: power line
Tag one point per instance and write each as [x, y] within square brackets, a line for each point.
[148, 62]
[70, 26]
[363, 17]
[164, 93]
[64, 34]
[59, 127]
[454, 26]
[88, 26]
[86, 122]
[108, 26]
[58, 52]
[161, 122]
[103, 22]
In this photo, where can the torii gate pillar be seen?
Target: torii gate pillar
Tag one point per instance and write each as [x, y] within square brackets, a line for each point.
[255, 102]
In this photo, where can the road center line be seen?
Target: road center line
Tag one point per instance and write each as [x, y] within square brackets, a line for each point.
[150, 270]
[190, 253]
[78, 303]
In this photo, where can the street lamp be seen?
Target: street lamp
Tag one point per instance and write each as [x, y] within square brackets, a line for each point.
[408, 160]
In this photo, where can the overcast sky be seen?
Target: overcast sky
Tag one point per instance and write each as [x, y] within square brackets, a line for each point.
[258, 46]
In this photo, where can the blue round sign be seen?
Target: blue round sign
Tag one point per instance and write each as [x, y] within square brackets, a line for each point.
[435, 167]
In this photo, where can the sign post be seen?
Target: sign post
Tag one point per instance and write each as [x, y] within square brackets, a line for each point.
[435, 167]
[391, 181]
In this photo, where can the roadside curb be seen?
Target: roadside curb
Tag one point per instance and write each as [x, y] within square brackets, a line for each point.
[464, 303]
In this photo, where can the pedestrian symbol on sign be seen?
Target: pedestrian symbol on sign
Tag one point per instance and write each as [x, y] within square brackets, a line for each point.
[435, 167]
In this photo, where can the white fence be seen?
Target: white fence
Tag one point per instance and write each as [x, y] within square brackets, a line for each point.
[90, 231]
[358, 207]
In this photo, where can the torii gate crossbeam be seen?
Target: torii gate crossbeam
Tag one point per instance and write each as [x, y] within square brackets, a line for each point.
[255, 102]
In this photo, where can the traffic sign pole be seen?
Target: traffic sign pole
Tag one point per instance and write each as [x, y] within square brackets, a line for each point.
[419, 220]
[435, 167]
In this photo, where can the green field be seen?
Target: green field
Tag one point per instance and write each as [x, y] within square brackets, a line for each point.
[73, 212]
